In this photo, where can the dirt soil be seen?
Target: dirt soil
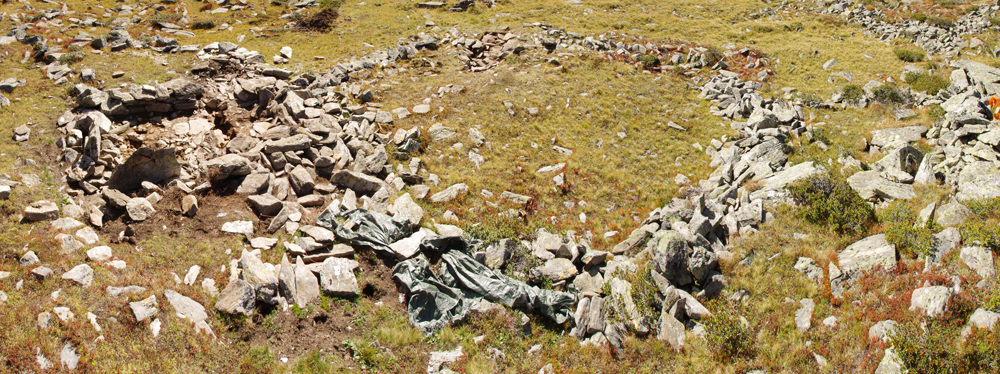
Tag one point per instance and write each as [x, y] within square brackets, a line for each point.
[289, 336]
[319, 22]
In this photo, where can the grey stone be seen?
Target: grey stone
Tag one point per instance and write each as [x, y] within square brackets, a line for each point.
[498, 253]
[320, 234]
[867, 254]
[238, 227]
[671, 330]
[28, 259]
[890, 363]
[144, 308]
[337, 277]
[127, 290]
[410, 246]
[450, 193]
[778, 181]
[41, 210]
[189, 205]
[980, 260]
[589, 282]
[139, 209]
[360, 183]
[870, 185]
[978, 180]
[810, 268]
[99, 254]
[185, 307]
[237, 297]
[556, 270]
[116, 199]
[293, 143]
[301, 180]
[909, 134]
[81, 274]
[226, 166]
[260, 277]
[803, 316]
[670, 257]
[65, 224]
[882, 331]
[145, 165]
[404, 208]
[932, 300]
[306, 285]
[254, 184]
[951, 214]
[265, 205]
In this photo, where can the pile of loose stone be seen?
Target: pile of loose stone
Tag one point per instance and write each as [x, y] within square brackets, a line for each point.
[932, 38]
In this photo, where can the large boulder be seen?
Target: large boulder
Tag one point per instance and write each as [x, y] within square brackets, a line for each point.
[978, 180]
[870, 185]
[260, 277]
[41, 210]
[237, 297]
[337, 277]
[225, 166]
[901, 135]
[864, 255]
[932, 300]
[980, 260]
[360, 183]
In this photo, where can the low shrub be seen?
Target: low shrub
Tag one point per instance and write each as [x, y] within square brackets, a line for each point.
[927, 83]
[939, 348]
[887, 94]
[831, 202]
[919, 16]
[853, 92]
[649, 61]
[903, 229]
[909, 55]
[730, 338]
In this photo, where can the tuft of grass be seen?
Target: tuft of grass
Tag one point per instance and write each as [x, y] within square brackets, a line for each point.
[919, 16]
[330, 4]
[941, 22]
[909, 55]
[831, 202]
[312, 363]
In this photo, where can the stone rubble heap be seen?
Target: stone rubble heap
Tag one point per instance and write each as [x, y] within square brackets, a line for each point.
[932, 38]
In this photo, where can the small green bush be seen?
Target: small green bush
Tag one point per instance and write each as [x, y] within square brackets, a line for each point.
[649, 61]
[994, 21]
[887, 94]
[905, 232]
[832, 202]
[919, 16]
[981, 227]
[853, 92]
[729, 338]
[909, 55]
[927, 83]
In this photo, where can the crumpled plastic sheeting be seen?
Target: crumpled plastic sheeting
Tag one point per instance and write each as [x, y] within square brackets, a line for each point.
[436, 301]
[369, 229]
